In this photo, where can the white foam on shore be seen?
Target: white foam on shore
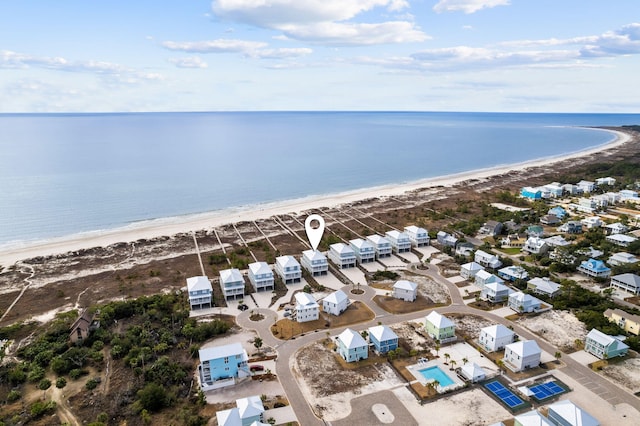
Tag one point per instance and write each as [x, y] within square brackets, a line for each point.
[16, 251]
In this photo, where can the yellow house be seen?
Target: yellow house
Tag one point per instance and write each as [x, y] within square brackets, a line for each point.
[630, 323]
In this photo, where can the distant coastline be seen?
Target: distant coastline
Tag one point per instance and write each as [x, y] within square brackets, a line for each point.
[163, 227]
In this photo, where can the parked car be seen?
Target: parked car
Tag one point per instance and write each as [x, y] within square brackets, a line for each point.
[243, 307]
[256, 367]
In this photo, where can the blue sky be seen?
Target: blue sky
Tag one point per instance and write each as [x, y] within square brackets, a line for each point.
[425, 55]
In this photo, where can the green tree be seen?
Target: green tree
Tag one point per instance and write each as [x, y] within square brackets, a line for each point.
[152, 397]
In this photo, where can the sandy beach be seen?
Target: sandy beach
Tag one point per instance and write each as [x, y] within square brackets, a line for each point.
[184, 224]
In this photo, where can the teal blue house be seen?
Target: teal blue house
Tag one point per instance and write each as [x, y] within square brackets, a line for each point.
[604, 346]
[352, 346]
[383, 339]
[222, 363]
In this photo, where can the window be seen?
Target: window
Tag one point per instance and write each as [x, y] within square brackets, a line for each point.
[226, 360]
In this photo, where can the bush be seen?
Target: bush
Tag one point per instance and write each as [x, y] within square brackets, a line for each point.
[91, 384]
[13, 396]
[61, 382]
[35, 374]
[76, 373]
[152, 397]
[44, 384]
[40, 408]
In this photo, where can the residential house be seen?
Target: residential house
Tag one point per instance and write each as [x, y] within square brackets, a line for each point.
[419, 236]
[523, 302]
[549, 219]
[601, 201]
[487, 259]
[605, 181]
[289, 269]
[594, 268]
[558, 212]
[556, 241]
[400, 241]
[612, 197]
[335, 303]
[513, 273]
[261, 276]
[562, 256]
[231, 283]
[473, 372]
[381, 244]
[405, 290]
[446, 240]
[566, 413]
[344, 256]
[364, 250]
[627, 282]
[535, 245]
[83, 326]
[469, 270]
[622, 240]
[306, 309]
[383, 339]
[513, 241]
[590, 252]
[543, 286]
[622, 258]
[554, 190]
[491, 228]
[352, 346]
[248, 412]
[531, 193]
[591, 222]
[440, 327]
[531, 418]
[522, 355]
[315, 262]
[586, 186]
[571, 189]
[200, 291]
[616, 228]
[628, 322]
[571, 227]
[221, 363]
[464, 249]
[495, 337]
[495, 292]
[484, 278]
[604, 346]
[512, 226]
[535, 231]
[628, 194]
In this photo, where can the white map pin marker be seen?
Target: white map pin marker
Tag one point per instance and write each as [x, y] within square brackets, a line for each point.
[314, 231]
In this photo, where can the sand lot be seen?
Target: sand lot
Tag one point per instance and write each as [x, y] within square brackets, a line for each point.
[625, 373]
[560, 328]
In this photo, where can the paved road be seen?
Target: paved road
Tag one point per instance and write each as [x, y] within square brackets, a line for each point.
[287, 349]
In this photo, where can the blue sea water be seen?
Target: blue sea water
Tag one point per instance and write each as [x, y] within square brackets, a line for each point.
[62, 174]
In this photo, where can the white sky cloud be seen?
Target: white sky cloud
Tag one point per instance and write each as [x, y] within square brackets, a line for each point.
[188, 62]
[214, 46]
[467, 6]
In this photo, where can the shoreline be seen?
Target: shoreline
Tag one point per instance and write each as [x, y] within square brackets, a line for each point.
[148, 229]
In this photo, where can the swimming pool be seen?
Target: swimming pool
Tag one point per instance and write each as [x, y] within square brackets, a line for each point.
[435, 373]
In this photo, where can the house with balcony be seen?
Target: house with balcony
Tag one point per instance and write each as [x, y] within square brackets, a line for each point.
[591, 222]
[605, 181]
[288, 268]
[352, 346]
[382, 338]
[335, 303]
[571, 227]
[487, 259]
[628, 322]
[439, 327]
[446, 240]
[315, 262]
[622, 240]
[343, 255]
[484, 278]
[616, 228]
[469, 270]
[364, 250]
[222, 365]
[604, 346]
[566, 413]
[522, 355]
[405, 290]
[419, 236]
[231, 283]
[248, 411]
[531, 193]
[524, 303]
[556, 241]
[306, 309]
[513, 241]
[261, 276]
[558, 212]
[535, 246]
[381, 244]
[628, 195]
[627, 282]
[594, 268]
[495, 337]
[549, 220]
[491, 228]
[543, 286]
[200, 292]
[586, 186]
[513, 273]
[495, 292]
[400, 242]
[622, 258]
[554, 189]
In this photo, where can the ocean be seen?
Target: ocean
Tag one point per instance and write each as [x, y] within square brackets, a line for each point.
[63, 174]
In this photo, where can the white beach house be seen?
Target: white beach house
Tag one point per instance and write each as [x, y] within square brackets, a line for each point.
[627, 282]
[473, 372]
[531, 418]
[365, 251]
[400, 241]
[566, 412]
[405, 290]
[231, 283]
[248, 411]
[483, 278]
[622, 258]
[306, 309]
[469, 270]
[342, 255]
[381, 244]
[535, 245]
[522, 355]
[261, 276]
[419, 236]
[495, 292]
[335, 303]
[200, 291]
[543, 286]
[523, 302]
[289, 269]
[495, 337]
[487, 259]
[315, 262]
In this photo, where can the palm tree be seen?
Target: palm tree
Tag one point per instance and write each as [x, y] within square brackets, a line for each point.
[453, 364]
[558, 355]
[437, 347]
[446, 358]
[465, 360]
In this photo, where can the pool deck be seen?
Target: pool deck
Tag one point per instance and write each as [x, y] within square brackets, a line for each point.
[423, 364]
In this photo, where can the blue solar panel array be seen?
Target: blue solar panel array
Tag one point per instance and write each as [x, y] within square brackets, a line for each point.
[504, 394]
[546, 390]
